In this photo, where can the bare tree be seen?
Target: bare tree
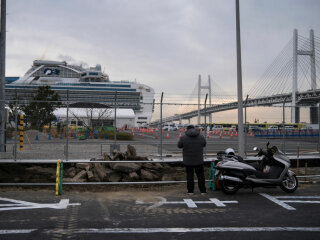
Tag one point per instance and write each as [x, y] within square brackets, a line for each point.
[92, 118]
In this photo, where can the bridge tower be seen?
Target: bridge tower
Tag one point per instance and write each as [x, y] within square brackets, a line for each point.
[199, 96]
[313, 109]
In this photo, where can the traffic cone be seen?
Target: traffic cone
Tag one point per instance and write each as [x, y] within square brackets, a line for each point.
[251, 134]
[180, 135]
[208, 136]
[156, 136]
[231, 136]
[168, 136]
[142, 136]
[221, 135]
[236, 134]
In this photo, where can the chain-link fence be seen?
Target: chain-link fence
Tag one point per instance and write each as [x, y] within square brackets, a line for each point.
[70, 129]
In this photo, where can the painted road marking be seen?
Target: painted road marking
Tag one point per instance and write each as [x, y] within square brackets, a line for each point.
[166, 230]
[189, 202]
[22, 205]
[16, 231]
[283, 203]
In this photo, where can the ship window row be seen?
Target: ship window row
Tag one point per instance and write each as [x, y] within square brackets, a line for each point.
[56, 72]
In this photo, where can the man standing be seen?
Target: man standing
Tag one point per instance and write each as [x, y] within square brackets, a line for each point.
[192, 144]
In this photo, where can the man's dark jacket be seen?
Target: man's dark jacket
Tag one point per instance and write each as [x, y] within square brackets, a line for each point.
[192, 143]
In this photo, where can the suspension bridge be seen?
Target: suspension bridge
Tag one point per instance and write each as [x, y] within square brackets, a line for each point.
[291, 79]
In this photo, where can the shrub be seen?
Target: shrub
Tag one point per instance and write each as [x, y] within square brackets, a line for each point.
[9, 132]
[120, 135]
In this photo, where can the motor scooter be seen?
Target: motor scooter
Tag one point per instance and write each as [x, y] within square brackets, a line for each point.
[273, 170]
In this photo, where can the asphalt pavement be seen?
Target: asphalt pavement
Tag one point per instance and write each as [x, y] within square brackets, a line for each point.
[160, 212]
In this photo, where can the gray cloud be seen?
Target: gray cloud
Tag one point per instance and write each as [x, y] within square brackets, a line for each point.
[164, 44]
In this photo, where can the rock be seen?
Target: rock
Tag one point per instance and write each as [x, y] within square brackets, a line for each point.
[140, 158]
[167, 177]
[90, 175]
[148, 166]
[73, 180]
[106, 157]
[92, 159]
[71, 172]
[133, 176]
[114, 177]
[118, 156]
[158, 166]
[85, 166]
[131, 152]
[126, 167]
[79, 176]
[146, 175]
[100, 170]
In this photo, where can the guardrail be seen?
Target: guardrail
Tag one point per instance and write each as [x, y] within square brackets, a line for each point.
[59, 178]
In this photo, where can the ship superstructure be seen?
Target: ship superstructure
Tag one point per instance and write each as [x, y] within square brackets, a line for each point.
[84, 87]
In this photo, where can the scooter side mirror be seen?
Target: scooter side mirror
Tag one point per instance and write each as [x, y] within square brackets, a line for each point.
[256, 149]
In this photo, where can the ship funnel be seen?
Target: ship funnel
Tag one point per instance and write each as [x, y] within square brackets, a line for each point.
[98, 67]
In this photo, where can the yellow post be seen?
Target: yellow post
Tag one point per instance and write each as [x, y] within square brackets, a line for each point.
[58, 177]
[21, 132]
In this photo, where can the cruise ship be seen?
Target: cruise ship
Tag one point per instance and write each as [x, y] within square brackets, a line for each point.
[83, 87]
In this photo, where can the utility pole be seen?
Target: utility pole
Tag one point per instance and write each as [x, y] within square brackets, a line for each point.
[239, 85]
[199, 95]
[2, 75]
[294, 112]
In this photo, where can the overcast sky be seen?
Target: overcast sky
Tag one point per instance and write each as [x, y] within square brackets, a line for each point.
[164, 44]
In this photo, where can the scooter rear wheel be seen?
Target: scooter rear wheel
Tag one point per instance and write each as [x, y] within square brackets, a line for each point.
[229, 187]
[289, 184]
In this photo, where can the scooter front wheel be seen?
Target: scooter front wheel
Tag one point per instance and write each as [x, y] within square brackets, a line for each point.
[229, 187]
[289, 184]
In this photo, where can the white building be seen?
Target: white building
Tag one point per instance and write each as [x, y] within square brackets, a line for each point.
[96, 116]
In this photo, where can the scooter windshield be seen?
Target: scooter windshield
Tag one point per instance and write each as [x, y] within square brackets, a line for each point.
[280, 155]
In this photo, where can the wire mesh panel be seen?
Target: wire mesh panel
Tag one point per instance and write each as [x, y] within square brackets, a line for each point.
[85, 130]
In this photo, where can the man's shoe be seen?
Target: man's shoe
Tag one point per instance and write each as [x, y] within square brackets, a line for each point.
[190, 193]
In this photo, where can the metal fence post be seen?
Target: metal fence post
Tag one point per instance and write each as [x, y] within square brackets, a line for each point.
[283, 122]
[67, 129]
[205, 124]
[16, 130]
[319, 129]
[114, 145]
[246, 126]
[115, 121]
[2, 76]
[161, 125]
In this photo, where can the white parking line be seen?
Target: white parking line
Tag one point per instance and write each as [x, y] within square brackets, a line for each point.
[207, 229]
[189, 202]
[22, 205]
[165, 230]
[16, 231]
[300, 197]
[277, 201]
[284, 201]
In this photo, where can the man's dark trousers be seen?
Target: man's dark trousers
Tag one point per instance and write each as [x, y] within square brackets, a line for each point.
[200, 175]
